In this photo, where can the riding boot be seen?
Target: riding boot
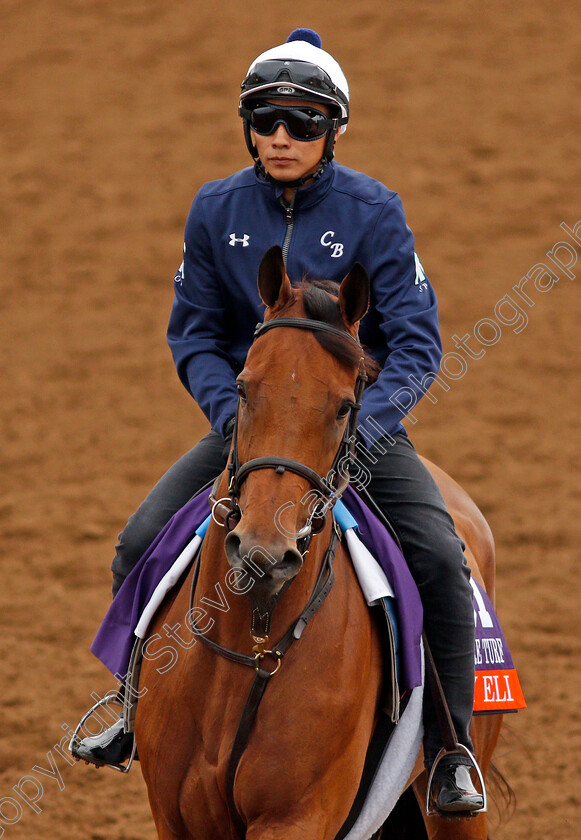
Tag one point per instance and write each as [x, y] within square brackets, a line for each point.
[112, 747]
[452, 791]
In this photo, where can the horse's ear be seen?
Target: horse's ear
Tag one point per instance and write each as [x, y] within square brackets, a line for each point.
[273, 283]
[354, 295]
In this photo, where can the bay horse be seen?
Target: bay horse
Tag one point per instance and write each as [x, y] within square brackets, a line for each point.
[299, 767]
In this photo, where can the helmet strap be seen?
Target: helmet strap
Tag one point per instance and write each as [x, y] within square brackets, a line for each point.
[248, 138]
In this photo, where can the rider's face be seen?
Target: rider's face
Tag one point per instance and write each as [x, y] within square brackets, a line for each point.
[285, 158]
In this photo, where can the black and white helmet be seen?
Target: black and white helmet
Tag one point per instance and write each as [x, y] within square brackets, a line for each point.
[298, 69]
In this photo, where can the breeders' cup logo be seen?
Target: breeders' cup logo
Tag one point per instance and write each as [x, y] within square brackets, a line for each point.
[243, 240]
[421, 281]
[179, 278]
[327, 242]
[286, 90]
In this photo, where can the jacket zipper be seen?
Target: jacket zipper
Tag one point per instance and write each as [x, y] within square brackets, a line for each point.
[289, 216]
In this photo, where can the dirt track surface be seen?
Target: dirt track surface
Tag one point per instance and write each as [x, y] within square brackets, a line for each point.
[111, 116]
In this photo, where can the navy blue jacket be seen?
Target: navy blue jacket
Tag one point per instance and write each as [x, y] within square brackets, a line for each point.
[343, 218]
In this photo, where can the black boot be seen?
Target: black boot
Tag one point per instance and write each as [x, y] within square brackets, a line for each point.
[111, 747]
[452, 791]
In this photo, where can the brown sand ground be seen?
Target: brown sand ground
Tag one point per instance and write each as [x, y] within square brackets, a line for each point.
[111, 116]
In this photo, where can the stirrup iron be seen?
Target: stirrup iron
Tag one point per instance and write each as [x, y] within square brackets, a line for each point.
[431, 812]
[108, 700]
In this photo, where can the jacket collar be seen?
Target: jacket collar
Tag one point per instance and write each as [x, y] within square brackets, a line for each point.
[306, 196]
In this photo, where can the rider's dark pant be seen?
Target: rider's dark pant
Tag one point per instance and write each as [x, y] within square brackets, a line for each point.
[405, 490]
[402, 487]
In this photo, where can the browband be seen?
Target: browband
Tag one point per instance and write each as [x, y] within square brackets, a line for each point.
[303, 324]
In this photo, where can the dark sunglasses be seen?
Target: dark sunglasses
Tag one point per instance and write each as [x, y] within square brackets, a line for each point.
[301, 123]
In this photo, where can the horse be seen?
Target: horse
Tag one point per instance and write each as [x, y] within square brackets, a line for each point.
[215, 767]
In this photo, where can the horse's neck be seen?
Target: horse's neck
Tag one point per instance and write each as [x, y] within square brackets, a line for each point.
[216, 592]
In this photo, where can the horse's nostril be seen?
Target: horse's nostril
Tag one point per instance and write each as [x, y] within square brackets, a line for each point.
[283, 564]
[232, 547]
[292, 560]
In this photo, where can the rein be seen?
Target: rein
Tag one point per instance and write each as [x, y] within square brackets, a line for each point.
[322, 588]
[330, 489]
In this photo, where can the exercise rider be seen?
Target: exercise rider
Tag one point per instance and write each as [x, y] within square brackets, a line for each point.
[294, 106]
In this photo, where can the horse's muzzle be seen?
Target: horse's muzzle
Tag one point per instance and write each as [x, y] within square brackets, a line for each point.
[271, 565]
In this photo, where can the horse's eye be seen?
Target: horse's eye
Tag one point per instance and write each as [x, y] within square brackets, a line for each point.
[241, 391]
[344, 410]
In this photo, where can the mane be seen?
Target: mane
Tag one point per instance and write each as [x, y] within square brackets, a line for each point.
[319, 298]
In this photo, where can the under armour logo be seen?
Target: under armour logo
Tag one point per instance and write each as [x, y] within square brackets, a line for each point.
[327, 242]
[244, 240]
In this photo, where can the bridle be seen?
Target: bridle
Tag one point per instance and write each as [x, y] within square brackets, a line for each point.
[328, 488]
